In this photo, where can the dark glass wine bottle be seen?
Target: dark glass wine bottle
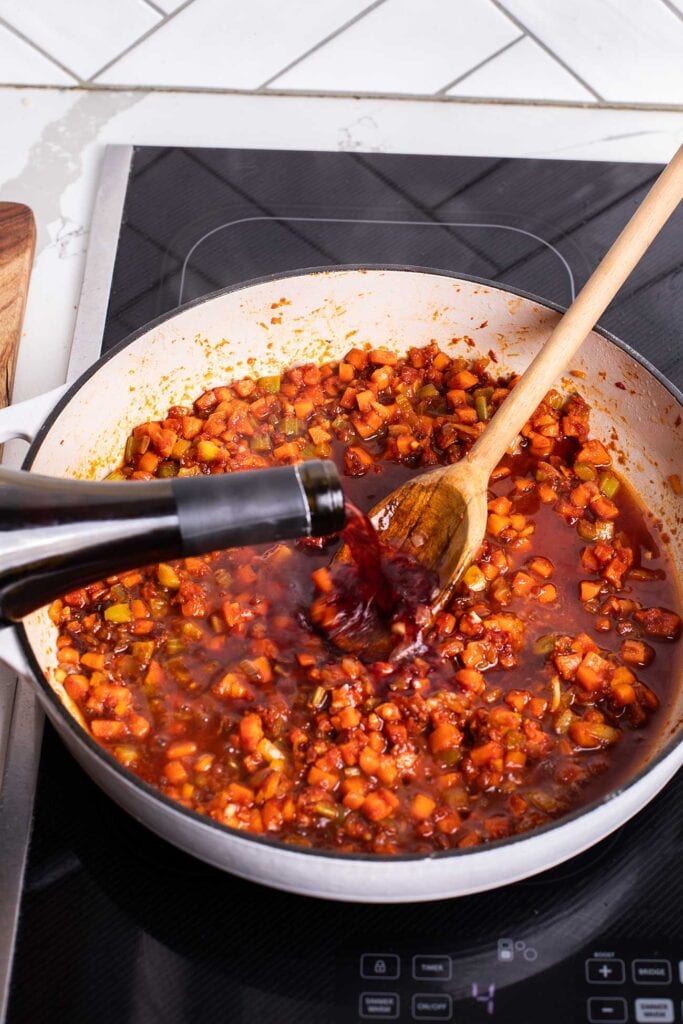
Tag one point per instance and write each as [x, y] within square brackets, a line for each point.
[57, 535]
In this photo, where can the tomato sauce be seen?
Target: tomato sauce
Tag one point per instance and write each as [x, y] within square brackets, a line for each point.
[287, 694]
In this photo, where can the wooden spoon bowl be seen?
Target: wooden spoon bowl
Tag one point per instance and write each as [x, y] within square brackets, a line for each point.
[440, 517]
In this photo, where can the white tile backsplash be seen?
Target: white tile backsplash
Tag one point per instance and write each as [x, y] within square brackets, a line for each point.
[22, 65]
[577, 51]
[524, 71]
[405, 46]
[83, 36]
[231, 44]
[627, 50]
[168, 6]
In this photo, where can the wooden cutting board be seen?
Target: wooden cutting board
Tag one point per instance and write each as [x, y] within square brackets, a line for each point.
[17, 242]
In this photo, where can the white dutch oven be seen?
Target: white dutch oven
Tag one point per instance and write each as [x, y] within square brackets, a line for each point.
[231, 334]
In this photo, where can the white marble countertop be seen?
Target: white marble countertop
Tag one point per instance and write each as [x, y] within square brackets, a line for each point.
[58, 138]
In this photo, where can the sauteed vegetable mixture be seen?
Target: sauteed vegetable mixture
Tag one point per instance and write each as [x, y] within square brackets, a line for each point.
[533, 692]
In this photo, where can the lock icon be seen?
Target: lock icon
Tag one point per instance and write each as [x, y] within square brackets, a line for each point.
[380, 967]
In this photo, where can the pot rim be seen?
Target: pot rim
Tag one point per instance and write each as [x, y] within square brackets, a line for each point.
[148, 790]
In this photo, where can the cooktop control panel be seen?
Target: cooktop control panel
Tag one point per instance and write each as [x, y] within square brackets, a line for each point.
[517, 980]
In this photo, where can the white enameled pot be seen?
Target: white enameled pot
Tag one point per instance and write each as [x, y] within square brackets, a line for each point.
[236, 332]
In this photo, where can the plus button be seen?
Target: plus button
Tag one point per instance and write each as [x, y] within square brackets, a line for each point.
[605, 972]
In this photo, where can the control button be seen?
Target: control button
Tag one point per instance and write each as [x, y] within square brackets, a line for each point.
[680, 971]
[605, 972]
[655, 1009]
[379, 1006]
[506, 950]
[380, 966]
[614, 1010]
[651, 972]
[426, 968]
[432, 1006]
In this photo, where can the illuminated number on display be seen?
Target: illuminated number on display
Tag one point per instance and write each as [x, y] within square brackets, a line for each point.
[486, 996]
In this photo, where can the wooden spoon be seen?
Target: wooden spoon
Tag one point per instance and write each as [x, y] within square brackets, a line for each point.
[440, 517]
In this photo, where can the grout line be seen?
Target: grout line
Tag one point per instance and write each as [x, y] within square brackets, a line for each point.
[520, 25]
[140, 39]
[405, 97]
[323, 42]
[673, 9]
[155, 7]
[481, 64]
[40, 50]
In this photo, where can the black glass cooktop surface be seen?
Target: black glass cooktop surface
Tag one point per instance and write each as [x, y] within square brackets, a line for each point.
[118, 926]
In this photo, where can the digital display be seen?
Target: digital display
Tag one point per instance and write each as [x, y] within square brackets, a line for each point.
[517, 979]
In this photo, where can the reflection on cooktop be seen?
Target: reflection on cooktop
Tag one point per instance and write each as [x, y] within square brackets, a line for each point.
[198, 220]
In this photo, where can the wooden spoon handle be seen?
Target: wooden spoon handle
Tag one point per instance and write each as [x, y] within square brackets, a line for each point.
[17, 241]
[582, 315]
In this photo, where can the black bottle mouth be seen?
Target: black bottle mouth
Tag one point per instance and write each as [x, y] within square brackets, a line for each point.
[323, 488]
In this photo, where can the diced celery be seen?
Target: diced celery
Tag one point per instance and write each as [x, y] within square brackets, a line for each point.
[270, 384]
[586, 530]
[260, 443]
[585, 471]
[544, 644]
[167, 469]
[167, 576]
[481, 405]
[609, 485]
[291, 426]
[428, 391]
[118, 613]
[326, 810]
[318, 697]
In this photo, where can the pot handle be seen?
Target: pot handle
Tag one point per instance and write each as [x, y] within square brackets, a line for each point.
[12, 654]
[24, 419]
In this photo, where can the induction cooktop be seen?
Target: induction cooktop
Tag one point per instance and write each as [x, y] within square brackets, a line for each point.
[117, 926]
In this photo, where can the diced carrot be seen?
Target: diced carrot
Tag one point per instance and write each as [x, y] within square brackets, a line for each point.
[322, 777]
[547, 593]
[445, 737]
[422, 806]
[522, 584]
[465, 380]
[92, 660]
[595, 453]
[543, 567]
[496, 524]
[182, 748]
[322, 578]
[368, 761]
[104, 729]
[77, 687]
[589, 589]
[303, 407]
[176, 772]
[382, 357]
[486, 753]
[251, 732]
[591, 672]
[593, 734]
